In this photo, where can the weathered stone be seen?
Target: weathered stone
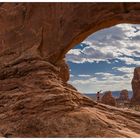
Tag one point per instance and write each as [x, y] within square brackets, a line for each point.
[108, 99]
[124, 95]
[63, 70]
[136, 86]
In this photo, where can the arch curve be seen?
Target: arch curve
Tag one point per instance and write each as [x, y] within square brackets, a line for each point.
[126, 14]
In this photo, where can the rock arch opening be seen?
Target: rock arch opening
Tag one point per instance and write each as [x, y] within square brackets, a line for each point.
[35, 99]
[106, 60]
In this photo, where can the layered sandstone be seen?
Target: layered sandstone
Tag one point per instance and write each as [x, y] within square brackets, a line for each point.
[108, 99]
[136, 86]
[35, 98]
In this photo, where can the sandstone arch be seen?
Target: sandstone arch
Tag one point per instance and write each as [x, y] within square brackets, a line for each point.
[115, 14]
[65, 25]
[35, 99]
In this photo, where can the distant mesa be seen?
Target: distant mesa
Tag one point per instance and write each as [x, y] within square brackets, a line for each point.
[108, 99]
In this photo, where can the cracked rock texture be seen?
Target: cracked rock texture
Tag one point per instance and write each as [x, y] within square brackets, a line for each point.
[35, 98]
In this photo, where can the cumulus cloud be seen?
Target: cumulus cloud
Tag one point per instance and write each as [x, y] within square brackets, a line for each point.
[107, 81]
[88, 54]
[83, 82]
[84, 75]
[118, 42]
[129, 70]
[130, 61]
[119, 45]
[104, 74]
[71, 75]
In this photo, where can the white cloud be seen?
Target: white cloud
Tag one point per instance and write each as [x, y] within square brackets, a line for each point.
[83, 82]
[111, 43]
[75, 51]
[129, 29]
[130, 61]
[118, 43]
[71, 75]
[129, 70]
[104, 74]
[108, 81]
[84, 75]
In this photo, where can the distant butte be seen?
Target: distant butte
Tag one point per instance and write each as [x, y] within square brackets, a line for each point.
[136, 86]
[108, 99]
[124, 95]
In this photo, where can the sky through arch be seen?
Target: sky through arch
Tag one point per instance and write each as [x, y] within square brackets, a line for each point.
[106, 59]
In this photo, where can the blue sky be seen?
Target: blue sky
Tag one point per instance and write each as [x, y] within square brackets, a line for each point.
[106, 59]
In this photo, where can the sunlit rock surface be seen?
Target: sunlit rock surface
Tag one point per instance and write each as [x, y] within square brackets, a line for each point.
[108, 99]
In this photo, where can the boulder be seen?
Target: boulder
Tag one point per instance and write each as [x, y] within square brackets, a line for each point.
[108, 99]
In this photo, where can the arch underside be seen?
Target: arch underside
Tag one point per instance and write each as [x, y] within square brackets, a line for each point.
[52, 35]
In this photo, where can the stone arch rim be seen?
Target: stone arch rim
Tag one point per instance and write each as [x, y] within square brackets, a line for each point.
[120, 19]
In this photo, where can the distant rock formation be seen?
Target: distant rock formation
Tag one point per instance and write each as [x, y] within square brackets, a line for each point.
[136, 86]
[108, 99]
[123, 95]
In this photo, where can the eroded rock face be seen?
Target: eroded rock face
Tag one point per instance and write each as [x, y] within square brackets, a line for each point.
[124, 95]
[25, 27]
[35, 99]
[63, 70]
[108, 99]
[136, 86]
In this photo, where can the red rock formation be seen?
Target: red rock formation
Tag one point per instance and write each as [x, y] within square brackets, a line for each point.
[63, 70]
[136, 86]
[35, 99]
[108, 99]
[124, 95]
